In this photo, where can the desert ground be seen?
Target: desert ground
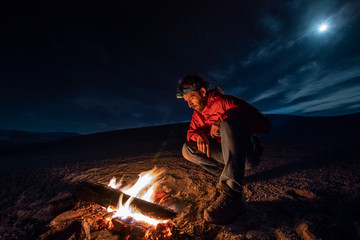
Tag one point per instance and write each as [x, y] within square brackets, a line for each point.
[307, 185]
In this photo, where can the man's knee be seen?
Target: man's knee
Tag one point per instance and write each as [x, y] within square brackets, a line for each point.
[186, 152]
[224, 126]
[229, 126]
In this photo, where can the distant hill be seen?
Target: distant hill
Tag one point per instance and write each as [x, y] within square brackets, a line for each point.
[336, 131]
[340, 134]
[11, 138]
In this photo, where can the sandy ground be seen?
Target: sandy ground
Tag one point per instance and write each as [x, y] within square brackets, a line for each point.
[299, 191]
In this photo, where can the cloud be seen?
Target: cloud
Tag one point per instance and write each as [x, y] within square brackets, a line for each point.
[223, 74]
[337, 99]
[342, 99]
[272, 23]
[267, 50]
[285, 85]
[315, 84]
[344, 15]
[314, 87]
[269, 93]
[301, 72]
[281, 40]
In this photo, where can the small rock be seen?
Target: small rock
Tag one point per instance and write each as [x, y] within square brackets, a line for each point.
[303, 230]
[256, 235]
[305, 193]
[280, 235]
[66, 217]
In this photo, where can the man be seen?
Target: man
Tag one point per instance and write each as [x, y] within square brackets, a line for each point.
[221, 140]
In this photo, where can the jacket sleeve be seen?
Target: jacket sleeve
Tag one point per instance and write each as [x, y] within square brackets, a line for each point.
[197, 128]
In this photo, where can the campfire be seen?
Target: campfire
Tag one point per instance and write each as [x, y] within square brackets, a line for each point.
[144, 188]
[138, 211]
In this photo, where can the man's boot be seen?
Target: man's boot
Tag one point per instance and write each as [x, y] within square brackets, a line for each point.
[253, 157]
[226, 208]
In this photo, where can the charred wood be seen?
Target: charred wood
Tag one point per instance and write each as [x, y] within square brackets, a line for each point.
[106, 196]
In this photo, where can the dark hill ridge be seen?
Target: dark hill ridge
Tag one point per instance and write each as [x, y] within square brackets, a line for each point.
[340, 132]
[337, 131]
[11, 138]
[95, 146]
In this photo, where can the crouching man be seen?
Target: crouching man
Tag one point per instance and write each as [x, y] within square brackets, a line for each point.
[221, 140]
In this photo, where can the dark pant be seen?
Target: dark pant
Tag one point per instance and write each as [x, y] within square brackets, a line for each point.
[227, 159]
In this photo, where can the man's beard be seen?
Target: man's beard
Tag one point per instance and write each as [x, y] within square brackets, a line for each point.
[198, 108]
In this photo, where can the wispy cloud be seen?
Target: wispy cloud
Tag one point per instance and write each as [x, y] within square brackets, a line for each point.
[286, 84]
[344, 15]
[314, 88]
[272, 23]
[336, 19]
[320, 80]
[268, 50]
[344, 98]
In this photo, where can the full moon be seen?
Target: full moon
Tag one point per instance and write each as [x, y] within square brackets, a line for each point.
[323, 27]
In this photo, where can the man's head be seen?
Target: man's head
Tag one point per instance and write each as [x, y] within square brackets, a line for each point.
[193, 89]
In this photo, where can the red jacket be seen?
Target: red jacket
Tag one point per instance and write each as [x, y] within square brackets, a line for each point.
[219, 107]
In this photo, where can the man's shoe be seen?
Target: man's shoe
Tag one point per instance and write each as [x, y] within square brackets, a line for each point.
[226, 208]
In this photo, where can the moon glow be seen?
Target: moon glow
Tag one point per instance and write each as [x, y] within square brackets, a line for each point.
[323, 27]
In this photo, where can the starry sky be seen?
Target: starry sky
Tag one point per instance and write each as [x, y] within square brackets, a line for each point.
[93, 66]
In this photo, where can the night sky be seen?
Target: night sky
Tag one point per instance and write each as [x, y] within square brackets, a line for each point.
[92, 66]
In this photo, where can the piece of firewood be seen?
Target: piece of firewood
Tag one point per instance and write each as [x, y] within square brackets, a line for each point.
[106, 196]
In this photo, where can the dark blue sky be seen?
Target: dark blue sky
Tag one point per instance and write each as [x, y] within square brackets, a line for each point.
[93, 66]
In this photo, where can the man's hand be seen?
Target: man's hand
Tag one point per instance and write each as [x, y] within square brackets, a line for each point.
[214, 131]
[203, 145]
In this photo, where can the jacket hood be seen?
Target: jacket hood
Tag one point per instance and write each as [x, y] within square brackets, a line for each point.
[213, 93]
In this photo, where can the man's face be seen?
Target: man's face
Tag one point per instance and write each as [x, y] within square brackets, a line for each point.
[196, 99]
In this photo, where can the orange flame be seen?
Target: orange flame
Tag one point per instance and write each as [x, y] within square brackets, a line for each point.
[144, 189]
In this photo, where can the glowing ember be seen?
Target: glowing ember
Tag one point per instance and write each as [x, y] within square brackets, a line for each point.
[144, 189]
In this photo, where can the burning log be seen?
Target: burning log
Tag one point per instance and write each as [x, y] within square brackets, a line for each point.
[136, 231]
[163, 231]
[106, 196]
